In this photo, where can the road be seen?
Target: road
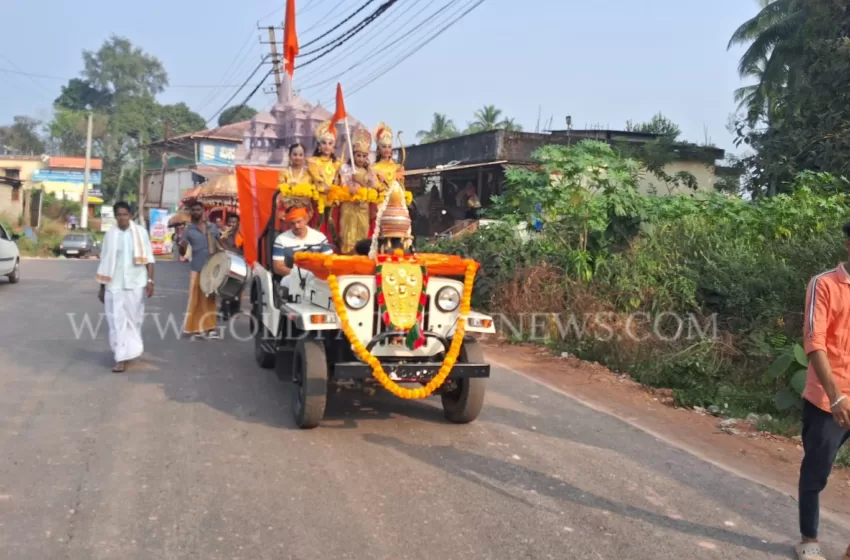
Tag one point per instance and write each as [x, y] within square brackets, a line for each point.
[193, 454]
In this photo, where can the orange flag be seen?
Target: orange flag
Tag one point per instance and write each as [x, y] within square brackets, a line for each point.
[340, 106]
[290, 39]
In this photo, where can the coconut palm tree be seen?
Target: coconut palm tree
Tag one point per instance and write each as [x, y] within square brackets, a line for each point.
[442, 127]
[510, 125]
[774, 38]
[486, 118]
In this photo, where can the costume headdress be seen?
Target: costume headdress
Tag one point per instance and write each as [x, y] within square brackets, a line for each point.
[395, 221]
[326, 131]
[362, 141]
[383, 135]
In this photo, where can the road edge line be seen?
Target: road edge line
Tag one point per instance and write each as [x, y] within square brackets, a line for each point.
[840, 519]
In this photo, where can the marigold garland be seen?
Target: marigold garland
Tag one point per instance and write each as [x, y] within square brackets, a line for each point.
[336, 195]
[378, 369]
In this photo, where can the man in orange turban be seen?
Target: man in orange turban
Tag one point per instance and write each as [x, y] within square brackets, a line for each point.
[297, 238]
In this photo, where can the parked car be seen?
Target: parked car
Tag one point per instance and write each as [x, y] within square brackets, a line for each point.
[10, 257]
[79, 245]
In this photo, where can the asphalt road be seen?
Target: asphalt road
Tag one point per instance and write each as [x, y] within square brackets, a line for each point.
[193, 454]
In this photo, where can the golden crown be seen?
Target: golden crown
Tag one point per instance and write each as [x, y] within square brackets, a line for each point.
[326, 131]
[362, 141]
[383, 135]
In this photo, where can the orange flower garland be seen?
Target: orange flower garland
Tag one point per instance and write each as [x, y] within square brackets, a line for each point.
[378, 369]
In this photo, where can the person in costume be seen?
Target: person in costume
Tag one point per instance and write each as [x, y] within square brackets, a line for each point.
[323, 168]
[125, 275]
[296, 173]
[386, 170]
[354, 216]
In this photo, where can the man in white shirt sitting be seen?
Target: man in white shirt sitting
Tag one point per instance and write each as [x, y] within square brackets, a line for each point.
[296, 239]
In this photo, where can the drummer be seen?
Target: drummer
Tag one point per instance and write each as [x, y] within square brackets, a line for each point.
[299, 236]
[231, 240]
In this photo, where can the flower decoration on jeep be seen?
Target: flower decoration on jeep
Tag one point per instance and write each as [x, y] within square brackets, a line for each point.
[401, 282]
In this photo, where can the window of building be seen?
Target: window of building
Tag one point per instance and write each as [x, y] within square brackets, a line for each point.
[12, 173]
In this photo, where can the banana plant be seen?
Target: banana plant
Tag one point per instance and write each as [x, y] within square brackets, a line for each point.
[791, 366]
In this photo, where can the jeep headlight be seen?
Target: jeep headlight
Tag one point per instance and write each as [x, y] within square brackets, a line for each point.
[448, 299]
[356, 296]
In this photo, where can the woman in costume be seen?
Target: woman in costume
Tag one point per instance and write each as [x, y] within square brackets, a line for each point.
[354, 216]
[323, 168]
[386, 170]
[296, 173]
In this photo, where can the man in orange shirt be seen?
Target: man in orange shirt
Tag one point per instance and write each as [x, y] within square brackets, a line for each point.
[826, 407]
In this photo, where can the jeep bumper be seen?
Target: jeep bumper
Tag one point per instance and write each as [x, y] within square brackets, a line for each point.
[409, 372]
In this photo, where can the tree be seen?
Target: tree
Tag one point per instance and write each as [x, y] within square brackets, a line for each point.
[180, 119]
[658, 124]
[486, 118]
[79, 95]
[808, 128]
[235, 114]
[68, 131]
[511, 126]
[124, 70]
[442, 128]
[22, 136]
[773, 55]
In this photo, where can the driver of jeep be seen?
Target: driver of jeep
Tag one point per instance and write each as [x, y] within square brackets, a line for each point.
[296, 239]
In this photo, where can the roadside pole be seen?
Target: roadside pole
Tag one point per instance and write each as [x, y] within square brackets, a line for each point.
[84, 207]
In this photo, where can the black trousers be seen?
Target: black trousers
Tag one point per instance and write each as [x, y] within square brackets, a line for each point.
[822, 438]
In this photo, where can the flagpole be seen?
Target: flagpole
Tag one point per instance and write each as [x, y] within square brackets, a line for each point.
[348, 138]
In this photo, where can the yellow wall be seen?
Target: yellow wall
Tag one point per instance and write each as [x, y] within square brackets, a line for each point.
[72, 191]
[703, 173]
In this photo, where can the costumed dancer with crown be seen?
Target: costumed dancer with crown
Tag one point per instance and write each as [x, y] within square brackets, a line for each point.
[323, 168]
[295, 176]
[386, 170]
[354, 216]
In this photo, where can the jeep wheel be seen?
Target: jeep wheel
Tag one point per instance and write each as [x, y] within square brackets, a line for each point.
[464, 404]
[310, 383]
[263, 345]
[15, 277]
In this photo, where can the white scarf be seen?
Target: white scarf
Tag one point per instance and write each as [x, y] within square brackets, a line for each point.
[109, 257]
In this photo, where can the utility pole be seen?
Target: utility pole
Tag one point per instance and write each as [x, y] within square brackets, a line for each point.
[84, 210]
[275, 59]
[140, 197]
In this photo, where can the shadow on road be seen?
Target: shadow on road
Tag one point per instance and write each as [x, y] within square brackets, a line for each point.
[466, 465]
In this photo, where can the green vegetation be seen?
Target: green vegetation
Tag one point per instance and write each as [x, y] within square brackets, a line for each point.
[603, 250]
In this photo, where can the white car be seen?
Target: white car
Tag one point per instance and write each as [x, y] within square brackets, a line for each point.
[10, 257]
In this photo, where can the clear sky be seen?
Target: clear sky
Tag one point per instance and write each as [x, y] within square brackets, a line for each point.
[603, 62]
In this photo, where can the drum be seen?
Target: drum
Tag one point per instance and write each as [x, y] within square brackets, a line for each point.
[225, 275]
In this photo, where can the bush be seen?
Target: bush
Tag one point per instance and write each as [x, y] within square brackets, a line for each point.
[604, 249]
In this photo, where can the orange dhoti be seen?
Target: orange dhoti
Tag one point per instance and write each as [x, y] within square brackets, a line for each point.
[202, 311]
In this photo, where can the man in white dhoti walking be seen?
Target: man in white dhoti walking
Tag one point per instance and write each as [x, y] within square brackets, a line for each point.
[125, 275]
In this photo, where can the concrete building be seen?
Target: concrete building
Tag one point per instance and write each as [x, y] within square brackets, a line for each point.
[63, 177]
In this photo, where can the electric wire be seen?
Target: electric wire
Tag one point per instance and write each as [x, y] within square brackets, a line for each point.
[384, 70]
[232, 97]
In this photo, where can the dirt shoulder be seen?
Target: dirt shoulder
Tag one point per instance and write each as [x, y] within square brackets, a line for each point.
[770, 460]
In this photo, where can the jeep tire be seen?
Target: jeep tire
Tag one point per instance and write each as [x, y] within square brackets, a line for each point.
[464, 404]
[310, 383]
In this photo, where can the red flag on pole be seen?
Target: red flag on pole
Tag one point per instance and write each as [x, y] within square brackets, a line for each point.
[340, 106]
[290, 39]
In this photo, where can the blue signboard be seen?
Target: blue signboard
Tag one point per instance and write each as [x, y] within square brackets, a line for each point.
[217, 153]
[56, 176]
